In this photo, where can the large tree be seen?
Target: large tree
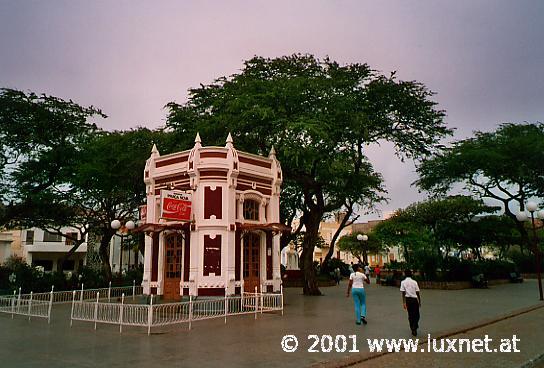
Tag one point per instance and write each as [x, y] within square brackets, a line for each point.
[41, 137]
[320, 116]
[506, 165]
[433, 224]
[360, 249]
[62, 171]
[107, 180]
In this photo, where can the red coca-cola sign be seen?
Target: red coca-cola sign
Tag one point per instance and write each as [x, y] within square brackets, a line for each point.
[175, 205]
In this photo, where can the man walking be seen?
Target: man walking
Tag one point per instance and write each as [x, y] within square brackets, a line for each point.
[411, 300]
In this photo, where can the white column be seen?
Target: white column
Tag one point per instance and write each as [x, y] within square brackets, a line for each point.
[160, 274]
[147, 264]
[194, 262]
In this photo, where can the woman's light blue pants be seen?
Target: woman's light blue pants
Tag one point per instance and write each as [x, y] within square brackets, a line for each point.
[359, 298]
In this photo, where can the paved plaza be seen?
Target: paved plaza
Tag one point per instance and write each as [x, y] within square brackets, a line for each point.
[246, 342]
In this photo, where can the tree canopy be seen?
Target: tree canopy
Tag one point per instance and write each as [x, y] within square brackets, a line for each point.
[59, 170]
[360, 249]
[506, 165]
[320, 116]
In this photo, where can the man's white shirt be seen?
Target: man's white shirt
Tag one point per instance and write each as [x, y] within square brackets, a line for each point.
[410, 286]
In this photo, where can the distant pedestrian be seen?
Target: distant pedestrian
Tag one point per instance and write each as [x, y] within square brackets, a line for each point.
[351, 270]
[411, 300]
[337, 275]
[377, 273]
[367, 270]
[357, 288]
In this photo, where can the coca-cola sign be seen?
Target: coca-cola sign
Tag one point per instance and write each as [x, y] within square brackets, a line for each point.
[175, 205]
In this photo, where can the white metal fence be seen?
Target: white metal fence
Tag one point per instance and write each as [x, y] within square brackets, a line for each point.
[39, 304]
[27, 306]
[152, 315]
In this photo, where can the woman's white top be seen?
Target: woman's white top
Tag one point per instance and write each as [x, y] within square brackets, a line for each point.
[358, 279]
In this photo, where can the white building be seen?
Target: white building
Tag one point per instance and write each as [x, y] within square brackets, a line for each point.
[42, 248]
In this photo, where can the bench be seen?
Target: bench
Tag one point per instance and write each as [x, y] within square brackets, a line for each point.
[515, 277]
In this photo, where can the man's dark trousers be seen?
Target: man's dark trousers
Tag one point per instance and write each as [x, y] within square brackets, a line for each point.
[412, 305]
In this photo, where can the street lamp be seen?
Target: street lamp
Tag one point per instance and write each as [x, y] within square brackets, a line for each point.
[532, 207]
[123, 231]
[363, 238]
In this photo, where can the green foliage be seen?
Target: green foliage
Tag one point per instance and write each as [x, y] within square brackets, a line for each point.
[39, 137]
[505, 165]
[358, 248]
[524, 262]
[428, 230]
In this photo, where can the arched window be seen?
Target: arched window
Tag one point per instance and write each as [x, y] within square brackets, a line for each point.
[251, 210]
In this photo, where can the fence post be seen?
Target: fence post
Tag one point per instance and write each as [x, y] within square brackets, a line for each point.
[150, 316]
[121, 313]
[261, 297]
[109, 291]
[242, 299]
[256, 302]
[19, 301]
[50, 306]
[226, 305]
[96, 309]
[81, 296]
[281, 298]
[190, 309]
[73, 304]
[29, 305]
[133, 289]
[52, 288]
[13, 303]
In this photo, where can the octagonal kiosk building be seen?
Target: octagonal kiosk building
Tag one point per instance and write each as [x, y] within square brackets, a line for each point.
[211, 222]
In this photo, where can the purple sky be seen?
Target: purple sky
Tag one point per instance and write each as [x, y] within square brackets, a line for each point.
[484, 59]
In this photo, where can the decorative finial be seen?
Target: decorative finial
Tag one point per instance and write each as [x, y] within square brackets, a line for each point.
[229, 138]
[154, 151]
[272, 152]
[197, 138]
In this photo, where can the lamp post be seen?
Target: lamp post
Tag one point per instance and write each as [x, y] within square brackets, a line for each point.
[363, 238]
[522, 216]
[122, 233]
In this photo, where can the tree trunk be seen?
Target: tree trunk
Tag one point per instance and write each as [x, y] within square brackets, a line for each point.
[104, 252]
[307, 257]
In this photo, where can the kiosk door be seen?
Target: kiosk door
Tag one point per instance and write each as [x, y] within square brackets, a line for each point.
[252, 262]
[172, 266]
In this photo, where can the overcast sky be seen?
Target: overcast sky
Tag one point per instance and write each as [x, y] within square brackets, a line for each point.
[484, 59]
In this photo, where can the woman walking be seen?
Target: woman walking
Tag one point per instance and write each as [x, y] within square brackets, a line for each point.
[357, 288]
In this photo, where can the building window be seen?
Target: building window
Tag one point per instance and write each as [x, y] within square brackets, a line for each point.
[30, 237]
[251, 210]
[212, 255]
[50, 237]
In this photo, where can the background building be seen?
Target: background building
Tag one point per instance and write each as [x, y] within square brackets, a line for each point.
[10, 244]
[41, 248]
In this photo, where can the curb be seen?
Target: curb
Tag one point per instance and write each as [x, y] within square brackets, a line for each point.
[359, 358]
[533, 362]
